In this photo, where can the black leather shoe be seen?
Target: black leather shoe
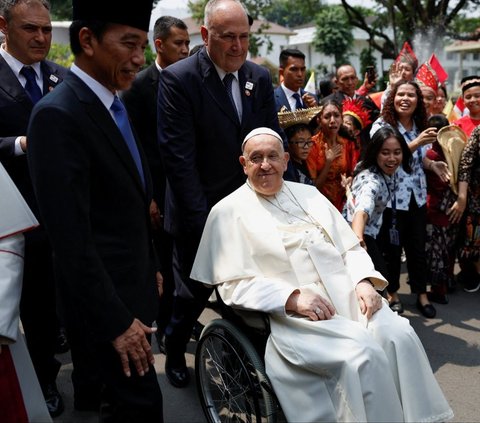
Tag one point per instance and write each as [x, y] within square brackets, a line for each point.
[53, 399]
[178, 377]
[397, 306]
[427, 310]
[435, 297]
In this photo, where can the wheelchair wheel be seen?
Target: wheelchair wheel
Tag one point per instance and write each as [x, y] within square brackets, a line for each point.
[231, 379]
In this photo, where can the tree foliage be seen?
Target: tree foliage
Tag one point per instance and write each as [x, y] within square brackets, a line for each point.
[424, 23]
[292, 13]
[333, 34]
[61, 10]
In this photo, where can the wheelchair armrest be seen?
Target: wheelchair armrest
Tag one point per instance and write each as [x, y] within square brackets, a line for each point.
[251, 320]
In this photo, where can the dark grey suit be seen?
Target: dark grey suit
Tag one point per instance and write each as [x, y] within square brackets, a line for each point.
[38, 294]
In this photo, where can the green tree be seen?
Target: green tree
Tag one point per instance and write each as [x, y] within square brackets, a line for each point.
[333, 34]
[61, 54]
[424, 23]
[292, 13]
[61, 10]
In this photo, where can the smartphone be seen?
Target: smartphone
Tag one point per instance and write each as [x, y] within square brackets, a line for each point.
[371, 75]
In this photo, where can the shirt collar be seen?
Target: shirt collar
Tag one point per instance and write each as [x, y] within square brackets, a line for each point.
[289, 92]
[16, 66]
[220, 71]
[102, 92]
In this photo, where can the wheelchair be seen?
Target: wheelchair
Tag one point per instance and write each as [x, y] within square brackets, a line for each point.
[230, 372]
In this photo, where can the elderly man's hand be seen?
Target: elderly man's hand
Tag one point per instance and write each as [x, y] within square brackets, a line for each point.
[311, 305]
[132, 345]
[370, 301]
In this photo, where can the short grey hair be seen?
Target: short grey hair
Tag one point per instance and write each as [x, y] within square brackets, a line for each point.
[213, 5]
[6, 6]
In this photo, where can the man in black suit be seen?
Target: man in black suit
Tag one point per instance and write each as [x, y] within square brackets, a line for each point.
[93, 189]
[207, 103]
[27, 29]
[290, 93]
[171, 39]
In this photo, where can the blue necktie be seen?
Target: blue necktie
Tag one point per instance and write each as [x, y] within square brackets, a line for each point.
[227, 81]
[31, 87]
[121, 118]
[298, 101]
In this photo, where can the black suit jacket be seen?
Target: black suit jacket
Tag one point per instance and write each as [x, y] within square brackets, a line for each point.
[15, 110]
[141, 103]
[282, 100]
[95, 210]
[200, 135]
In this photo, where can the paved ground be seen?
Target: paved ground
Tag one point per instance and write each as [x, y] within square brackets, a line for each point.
[452, 342]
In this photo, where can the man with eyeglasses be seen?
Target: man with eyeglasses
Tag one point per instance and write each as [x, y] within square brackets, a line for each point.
[299, 133]
[207, 103]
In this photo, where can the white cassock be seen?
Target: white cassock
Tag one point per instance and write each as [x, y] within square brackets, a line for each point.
[15, 218]
[258, 250]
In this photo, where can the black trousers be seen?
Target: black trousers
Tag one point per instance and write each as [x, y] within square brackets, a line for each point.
[98, 377]
[38, 306]
[134, 399]
[164, 246]
[189, 302]
[411, 226]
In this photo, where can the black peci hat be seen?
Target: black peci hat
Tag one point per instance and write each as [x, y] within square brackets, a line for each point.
[135, 14]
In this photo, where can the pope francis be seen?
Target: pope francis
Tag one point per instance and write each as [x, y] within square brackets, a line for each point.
[334, 353]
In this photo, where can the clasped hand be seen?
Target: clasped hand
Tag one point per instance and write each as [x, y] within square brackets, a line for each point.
[370, 301]
[310, 305]
[132, 345]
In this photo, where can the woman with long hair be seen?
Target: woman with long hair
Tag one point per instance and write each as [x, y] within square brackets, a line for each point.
[373, 187]
[404, 220]
[331, 159]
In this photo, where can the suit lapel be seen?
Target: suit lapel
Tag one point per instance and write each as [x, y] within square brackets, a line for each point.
[102, 118]
[282, 98]
[215, 87]
[50, 76]
[12, 87]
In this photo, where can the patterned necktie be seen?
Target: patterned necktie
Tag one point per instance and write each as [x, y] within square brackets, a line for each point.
[31, 87]
[227, 81]
[298, 101]
[121, 118]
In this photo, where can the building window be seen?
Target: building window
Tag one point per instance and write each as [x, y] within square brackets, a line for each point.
[475, 56]
[450, 55]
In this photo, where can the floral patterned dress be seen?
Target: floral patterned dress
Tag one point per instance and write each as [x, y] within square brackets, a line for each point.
[469, 172]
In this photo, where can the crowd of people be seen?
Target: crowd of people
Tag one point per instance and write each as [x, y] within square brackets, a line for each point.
[152, 186]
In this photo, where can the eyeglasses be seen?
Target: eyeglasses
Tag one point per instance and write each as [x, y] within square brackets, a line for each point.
[302, 143]
[257, 159]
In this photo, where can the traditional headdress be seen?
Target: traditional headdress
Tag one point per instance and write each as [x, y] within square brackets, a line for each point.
[469, 82]
[287, 118]
[136, 15]
[408, 56]
[427, 77]
[353, 107]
